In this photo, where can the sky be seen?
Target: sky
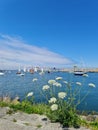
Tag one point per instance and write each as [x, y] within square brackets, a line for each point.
[58, 33]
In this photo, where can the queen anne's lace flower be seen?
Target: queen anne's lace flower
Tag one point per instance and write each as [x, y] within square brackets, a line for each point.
[57, 84]
[58, 78]
[62, 95]
[54, 107]
[30, 94]
[65, 82]
[52, 100]
[78, 83]
[35, 79]
[51, 81]
[91, 85]
[45, 87]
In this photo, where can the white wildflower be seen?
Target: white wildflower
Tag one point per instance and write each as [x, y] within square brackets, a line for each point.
[54, 107]
[57, 84]
[46, 87]
[78, 83]
[51, 82]
[35, 79]
[52, 100]
[58, 78]
[30, 94]
[65, 82]
[91, 85]
[62, 95]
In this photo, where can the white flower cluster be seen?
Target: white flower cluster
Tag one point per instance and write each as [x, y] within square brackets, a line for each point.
[78, 83]
[62, 95]
[57, 84]
[91, 85]
[65, 82]
[30, 94]
[46, 87]
[52, 100]
[51, 81]
[54, 107]
[58, 78]
[35, 79]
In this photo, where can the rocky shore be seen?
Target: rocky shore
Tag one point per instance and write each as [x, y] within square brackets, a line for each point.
[22, 121]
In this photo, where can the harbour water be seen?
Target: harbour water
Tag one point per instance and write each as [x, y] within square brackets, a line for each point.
[13, 85]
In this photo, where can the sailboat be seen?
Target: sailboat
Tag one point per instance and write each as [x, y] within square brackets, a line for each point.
[19, 72]
[35, 69]
[24, 69]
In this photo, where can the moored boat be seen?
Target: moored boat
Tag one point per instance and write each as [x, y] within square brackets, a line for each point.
[80, 73]
[1, 72]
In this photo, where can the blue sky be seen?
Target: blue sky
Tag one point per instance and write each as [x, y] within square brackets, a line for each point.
[64, 31]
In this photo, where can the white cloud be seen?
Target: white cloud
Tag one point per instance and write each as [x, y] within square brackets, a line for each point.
[14, 52]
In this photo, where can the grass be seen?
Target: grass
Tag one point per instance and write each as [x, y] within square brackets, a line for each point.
[29, 108]
[14, 120]
[27, 124]
[3, 104]
[39, 126]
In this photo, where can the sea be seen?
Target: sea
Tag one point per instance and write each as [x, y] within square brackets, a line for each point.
[12, 84]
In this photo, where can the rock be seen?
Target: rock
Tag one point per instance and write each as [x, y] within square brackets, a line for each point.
[23, 121]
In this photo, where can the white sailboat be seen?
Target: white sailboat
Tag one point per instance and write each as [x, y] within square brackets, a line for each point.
[24, 69]
[19, 71]
[35, 69]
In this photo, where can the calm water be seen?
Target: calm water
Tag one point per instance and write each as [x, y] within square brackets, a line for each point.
[13, 85]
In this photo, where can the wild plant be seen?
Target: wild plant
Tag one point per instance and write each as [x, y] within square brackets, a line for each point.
[63, 99]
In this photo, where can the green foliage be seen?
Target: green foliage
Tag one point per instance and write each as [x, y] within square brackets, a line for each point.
[41, 108]
[28, 107]
[63, 104]
[66, 116]
[14, 120]
[24, 106]
[39, 126]
[69, 118]
[94, 125]
[3, 104]
[26, 123]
